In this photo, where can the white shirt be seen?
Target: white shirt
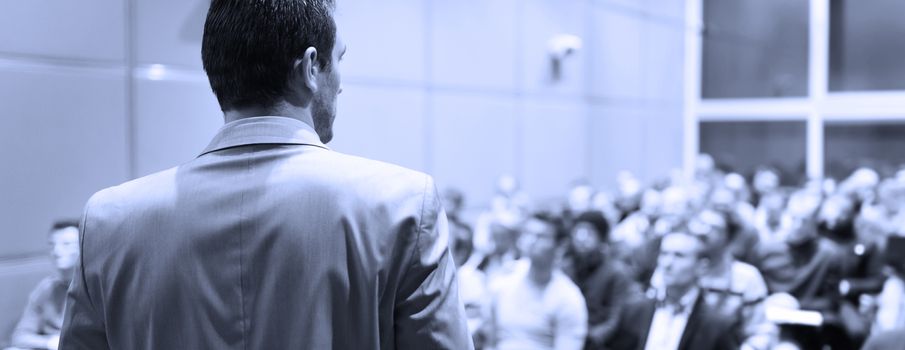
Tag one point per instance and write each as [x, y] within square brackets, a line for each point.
[529, 316]
[668, 325]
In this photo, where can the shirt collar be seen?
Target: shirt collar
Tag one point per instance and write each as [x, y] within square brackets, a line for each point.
[264, 130]
[685, 303]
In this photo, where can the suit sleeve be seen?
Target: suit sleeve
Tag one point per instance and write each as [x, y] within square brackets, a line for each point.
[83, 326]
[428, 312]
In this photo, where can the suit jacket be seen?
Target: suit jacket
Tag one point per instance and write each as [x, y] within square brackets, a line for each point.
[705, 328]
[267, 240]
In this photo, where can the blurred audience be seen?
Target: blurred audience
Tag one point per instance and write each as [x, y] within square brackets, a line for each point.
[724, 261]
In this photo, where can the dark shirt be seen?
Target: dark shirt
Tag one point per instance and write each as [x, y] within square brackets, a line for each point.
[607, 286]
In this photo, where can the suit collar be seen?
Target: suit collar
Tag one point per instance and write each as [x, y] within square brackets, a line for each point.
[694, 322]
[264, 130]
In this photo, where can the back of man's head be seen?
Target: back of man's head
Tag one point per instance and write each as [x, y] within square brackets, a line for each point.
[249, 47]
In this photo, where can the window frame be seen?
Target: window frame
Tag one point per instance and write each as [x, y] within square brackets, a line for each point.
[818, 106]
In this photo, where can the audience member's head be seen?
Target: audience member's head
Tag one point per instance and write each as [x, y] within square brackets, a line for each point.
[453, 202]
[589, 232]
[628, 197]
[674, 201]
[64, 243]
[800, 217]
[705, 166]
[837, 212]
[651, 203]
[713, 227]
[766, 179]
[580, 196]
[681, 260]
[462, 242]
[735, 183]
[543, 239]
[504, 233]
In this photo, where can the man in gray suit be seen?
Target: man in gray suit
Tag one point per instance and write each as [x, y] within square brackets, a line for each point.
[268, 239]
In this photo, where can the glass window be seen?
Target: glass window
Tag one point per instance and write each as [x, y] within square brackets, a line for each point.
[867, 49]
[849, 145]
[755, 48]
[744, 146]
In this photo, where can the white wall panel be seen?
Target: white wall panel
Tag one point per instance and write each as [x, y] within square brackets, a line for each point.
[174, 120]
[616, 50]
[169, 31]
[63, 138]
[663, 141]
[554, 150]
[473, 43]
[663, 62]
[385, 39]
[473, 142]
[91, 29]
[617, 143]
[381, 123]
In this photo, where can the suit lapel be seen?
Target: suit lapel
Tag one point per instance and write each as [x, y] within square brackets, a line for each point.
[693, 323]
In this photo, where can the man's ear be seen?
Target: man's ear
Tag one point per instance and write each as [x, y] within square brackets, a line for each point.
[307, 68]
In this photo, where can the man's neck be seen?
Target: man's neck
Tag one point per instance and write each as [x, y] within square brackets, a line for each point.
[676, 293]
[540, 274]
[281, 109]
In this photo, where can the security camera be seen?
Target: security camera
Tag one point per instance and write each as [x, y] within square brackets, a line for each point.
[563, 45]
[559, 47]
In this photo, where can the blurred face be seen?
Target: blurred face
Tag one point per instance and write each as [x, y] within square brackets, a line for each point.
[540, 242]
[800, 229]
[680, 260]
[584, 238]
[835, 212]
[64, 245]
[711, 225]
[766, 181]
[329, 88]
[723, 199]
[580, 198]
[503, 238]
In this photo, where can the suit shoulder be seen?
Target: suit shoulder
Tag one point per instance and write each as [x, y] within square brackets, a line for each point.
[132, 193]
[371, 166]
[372, 177]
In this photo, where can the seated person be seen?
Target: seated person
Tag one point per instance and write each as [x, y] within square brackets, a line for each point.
[472, 282]
[604, 280]
[39, 327]
[733, 288]
[536, 306]
[677, 317]
[809, 268]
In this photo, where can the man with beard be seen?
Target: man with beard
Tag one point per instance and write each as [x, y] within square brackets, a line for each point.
[268, 239]
[604, 281]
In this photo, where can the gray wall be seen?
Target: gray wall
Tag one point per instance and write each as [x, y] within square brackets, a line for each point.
[458, 89]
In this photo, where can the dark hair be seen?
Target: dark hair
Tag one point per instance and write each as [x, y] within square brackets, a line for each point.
[554, 222]
[64, 223]
[597, 221]
[701, 239]
[249, 47]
